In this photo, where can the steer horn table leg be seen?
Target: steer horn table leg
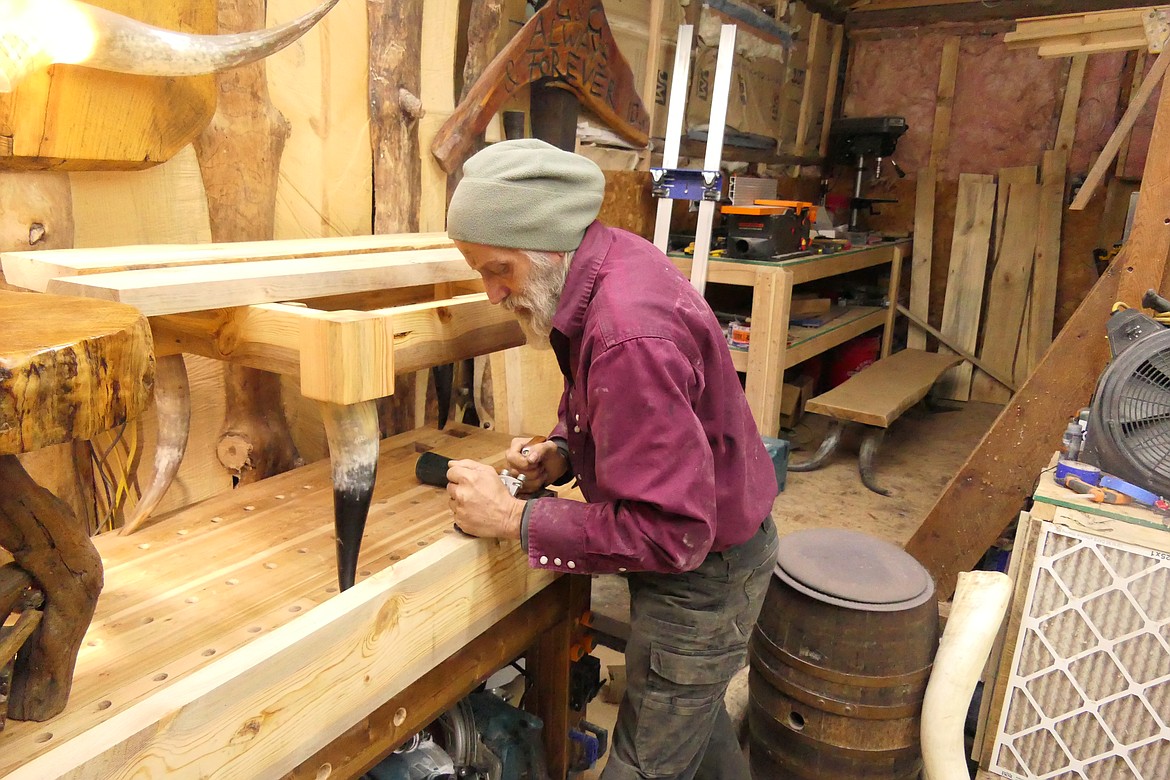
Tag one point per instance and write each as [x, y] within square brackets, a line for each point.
[48, 542]
[352, 431]
[172, 401]
[869, 447]
[826, 450]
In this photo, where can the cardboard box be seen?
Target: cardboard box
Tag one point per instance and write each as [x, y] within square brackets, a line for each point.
[794, 396]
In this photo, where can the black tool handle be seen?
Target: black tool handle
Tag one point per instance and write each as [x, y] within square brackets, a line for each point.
[431, 469]
[1151, 300]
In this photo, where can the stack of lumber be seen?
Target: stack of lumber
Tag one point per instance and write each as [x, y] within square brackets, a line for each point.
[1001, 283]
[1121, 30]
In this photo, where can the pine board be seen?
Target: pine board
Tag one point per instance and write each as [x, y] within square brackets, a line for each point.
[220, 645]
[1047, 266]
[966, 277]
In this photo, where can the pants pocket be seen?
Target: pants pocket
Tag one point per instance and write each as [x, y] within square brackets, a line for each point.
[684, 693]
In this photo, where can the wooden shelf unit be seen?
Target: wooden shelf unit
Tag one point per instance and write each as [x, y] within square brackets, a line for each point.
[769, 352]
[221, 646]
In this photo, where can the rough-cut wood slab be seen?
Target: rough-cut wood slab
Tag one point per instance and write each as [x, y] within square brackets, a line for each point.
[920, 263]
[33, 270]
[69, 369]
[1008, 293]
[878, 394]
[246, 660]
[171, 290]
[1042, 311]
[970, 247]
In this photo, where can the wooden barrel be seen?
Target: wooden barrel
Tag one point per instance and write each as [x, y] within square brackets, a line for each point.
[840, 659]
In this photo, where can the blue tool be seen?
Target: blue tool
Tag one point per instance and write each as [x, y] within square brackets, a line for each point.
[1138, 494]
[685, 184]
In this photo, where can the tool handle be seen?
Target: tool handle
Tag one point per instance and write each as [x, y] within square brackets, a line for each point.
[431, 469]
[1151, 300]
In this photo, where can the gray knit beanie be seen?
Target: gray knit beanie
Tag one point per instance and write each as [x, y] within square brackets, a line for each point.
[526, 194]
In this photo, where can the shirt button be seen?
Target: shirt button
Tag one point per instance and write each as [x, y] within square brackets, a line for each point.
[571, 565]
[543, 560]
[577, 417]
[621, 568]
[576, 429]
[557, 561]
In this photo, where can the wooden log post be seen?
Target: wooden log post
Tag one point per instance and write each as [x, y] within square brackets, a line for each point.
[239, 155]
[395, 83]
[993, 484]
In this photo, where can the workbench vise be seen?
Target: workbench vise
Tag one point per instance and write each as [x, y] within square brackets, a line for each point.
[768, 228]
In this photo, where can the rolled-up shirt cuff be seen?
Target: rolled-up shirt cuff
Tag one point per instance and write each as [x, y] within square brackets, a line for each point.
[524, 524]
[563, 448]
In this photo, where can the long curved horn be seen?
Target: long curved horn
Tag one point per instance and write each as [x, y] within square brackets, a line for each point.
[82, 34]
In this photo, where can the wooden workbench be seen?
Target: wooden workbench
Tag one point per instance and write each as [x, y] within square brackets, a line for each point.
[772, 348]
[221, 647]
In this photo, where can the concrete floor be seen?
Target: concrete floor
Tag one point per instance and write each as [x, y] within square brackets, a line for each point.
[920, 454]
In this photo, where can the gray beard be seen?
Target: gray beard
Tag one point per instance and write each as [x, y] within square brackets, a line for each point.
[537, 306]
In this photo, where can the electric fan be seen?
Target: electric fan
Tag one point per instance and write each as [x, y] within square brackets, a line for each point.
[1129, 418]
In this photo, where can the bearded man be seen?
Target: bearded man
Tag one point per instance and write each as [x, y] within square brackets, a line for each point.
[654, 426]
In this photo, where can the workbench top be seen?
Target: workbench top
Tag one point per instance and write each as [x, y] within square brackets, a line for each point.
[220, 643]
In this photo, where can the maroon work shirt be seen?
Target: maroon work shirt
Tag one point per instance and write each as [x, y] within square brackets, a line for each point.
[659, 431]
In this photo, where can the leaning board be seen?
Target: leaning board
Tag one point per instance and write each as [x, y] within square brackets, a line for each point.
[220, 646]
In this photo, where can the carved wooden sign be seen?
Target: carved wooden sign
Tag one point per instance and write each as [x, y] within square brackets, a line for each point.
[567, 41]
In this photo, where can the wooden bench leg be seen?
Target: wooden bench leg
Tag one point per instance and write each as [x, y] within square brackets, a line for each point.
[869, 447]
[826, 450]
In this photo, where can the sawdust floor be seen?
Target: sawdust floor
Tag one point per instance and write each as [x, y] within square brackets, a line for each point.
[920, 454]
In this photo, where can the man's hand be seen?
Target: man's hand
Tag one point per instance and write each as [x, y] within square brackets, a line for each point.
[480, 502]
[543, 465]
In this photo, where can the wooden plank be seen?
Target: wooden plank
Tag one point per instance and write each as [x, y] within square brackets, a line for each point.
[1024, 174]
[877, 395]
[831, 94]
[246, 660]
[922, 254]
[33, 270]
[526, 390]
[1008, 292]
[1139, 69]
[319, 85]
[171, 290]
[1067, 127]
[1073, 24]
[966, 276]
[994, 482]
[1097, 173]
[767, 350]
[1042, 311]
[892, 293]
[440, 39]
[1093, 43]
[366, 743]
[803, 117]
[944, 101]
[971, 11]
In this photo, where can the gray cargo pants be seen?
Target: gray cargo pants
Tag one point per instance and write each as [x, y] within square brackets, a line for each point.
[688, 637]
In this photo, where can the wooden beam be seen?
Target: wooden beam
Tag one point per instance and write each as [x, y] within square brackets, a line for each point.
[922, 253]
[804, 116]
[973, 11]
[1046, 269]
[342, 357]
[944, 101]
[171, 290]
[995, 481]
[1067, 128]
[831, 93]
[33, 270]
[1097, 173]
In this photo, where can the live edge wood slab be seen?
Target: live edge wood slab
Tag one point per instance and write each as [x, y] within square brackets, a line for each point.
[221, 647]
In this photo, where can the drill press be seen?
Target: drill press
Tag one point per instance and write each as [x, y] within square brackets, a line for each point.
[853, 141]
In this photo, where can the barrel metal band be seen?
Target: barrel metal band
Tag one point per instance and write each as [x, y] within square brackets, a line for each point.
[864, 681]
[910, 709]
